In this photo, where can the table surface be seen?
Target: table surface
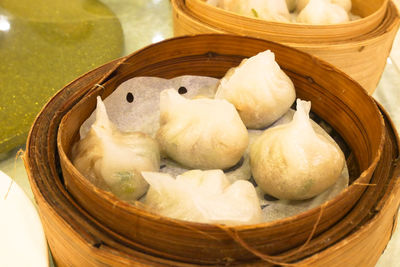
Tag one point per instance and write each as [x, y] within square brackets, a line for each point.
[148, 21]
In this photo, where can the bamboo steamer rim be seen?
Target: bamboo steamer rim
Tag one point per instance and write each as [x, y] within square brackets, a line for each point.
[31, 161]
[377, 35]
[126, 206]
[390, 22]
[228, 21]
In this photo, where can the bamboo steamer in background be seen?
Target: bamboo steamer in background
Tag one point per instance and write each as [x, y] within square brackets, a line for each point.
[338, 100]
[78, 235]
[359, 48]
[372, 11]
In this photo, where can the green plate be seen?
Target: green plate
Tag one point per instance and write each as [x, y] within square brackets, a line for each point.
[44, 44]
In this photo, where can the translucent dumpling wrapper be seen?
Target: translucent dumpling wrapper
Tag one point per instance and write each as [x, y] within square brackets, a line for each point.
[273, 10]
[113, 160]
[203, 196]
[345, 4]
[200, 133]
[259, 89]
[293, 161]
[322, 12]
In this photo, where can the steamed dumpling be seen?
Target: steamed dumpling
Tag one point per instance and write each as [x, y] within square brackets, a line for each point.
[321, 12]
[293, 161]
[203, 196]
[345, 4]
[259, 89]
[274, 10]
[113, 159]
[200, 133]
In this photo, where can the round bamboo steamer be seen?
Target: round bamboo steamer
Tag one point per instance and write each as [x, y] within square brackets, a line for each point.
[359, 48]
[337, 99]
[77, 238]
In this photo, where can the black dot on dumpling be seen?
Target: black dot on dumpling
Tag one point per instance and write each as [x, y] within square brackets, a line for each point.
[182, 90]
[130, 97]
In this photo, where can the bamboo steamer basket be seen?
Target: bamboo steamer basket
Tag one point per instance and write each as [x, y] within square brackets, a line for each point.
[359, 48]
[337, 99]
[78, 237]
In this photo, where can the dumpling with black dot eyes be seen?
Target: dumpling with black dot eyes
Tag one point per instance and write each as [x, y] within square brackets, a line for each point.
[259, 89]
[113, 160]
[200, 133]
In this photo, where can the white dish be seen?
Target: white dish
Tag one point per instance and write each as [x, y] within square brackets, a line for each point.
[22, 240]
